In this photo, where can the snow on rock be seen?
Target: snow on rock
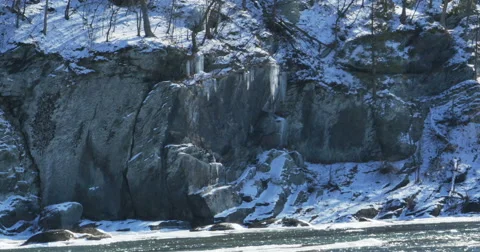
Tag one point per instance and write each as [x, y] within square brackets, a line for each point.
[328, 45]
[60, 216]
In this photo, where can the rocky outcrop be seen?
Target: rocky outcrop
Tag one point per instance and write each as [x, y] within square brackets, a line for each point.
[416, 61]
[50, 236]
[336, 127]
[400, 52]
[19, 185]
[265, 188]
[114, 136]
[60, 216]
[77, 112]
[18, 209]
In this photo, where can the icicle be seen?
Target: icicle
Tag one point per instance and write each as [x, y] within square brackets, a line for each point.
[208, 85]
[282, 130]
[274, 71]
[282, 86]
[217, 173]
[454, 173]
[246, 78]
[199, 63]
[188, 70]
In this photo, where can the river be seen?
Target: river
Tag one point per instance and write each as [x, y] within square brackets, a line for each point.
[405, 236]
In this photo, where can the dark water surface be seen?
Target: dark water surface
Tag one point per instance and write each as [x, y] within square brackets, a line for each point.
[412, 237]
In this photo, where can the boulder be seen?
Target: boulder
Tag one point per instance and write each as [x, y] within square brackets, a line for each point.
[291, 222]
[60, 216]
[50, 236]
[196, 185]
[391, 208]
[366, 213]
[471, 206]
[237, 216]
[222, 227]
[17, 208]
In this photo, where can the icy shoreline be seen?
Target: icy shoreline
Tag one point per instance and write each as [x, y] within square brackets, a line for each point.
[139, 230]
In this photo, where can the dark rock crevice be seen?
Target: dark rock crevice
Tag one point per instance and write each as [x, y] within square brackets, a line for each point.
[147, 92]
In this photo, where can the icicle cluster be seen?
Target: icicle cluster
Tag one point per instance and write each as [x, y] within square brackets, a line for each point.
[197, 64]
[274, 71]
[248, 77]
[209, 85]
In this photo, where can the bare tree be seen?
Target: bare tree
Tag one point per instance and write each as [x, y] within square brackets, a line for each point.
[476, 48]
[112, 20]
[45, 18]
[139, 22]
[67, 10]
[469, 10]
[146, 21]
[170, 19]
[373, 56]
[341, 13]
[403, 16]
[274, 10]
[444, 13]
[17, 8]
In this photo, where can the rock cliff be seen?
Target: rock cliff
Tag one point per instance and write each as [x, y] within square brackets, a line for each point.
[166, 134]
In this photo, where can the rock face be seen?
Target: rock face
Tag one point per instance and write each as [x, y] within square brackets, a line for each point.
[93, 129]
[60, 216]
[127, 136]
[335, 127]
[18, 174]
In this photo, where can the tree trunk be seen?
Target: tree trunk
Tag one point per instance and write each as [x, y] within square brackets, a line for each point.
[469, 10]
[476, 52]
[111, 21]
[244, 5]
[194, 42]
[139, 22]
[170, 19]
[403, 17]
[67, 10]
[16, 8]
[444, 13]
[45, 18]
[146, 20]
[374, 58]
[208, 33]
[274, 11]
